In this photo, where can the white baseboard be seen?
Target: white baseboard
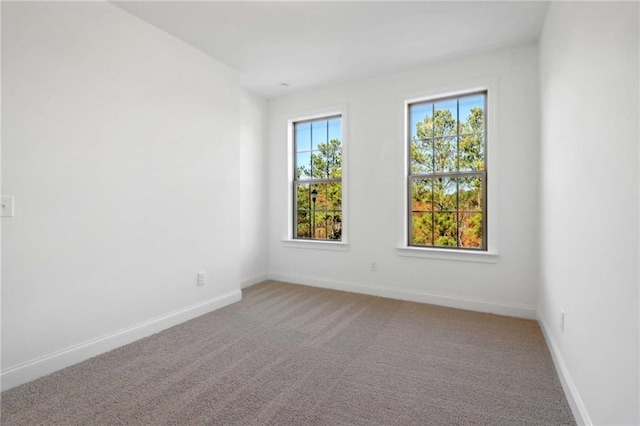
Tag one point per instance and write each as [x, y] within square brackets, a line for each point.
[253, 280]
[55, 361]
[480, 305]
[573, 397]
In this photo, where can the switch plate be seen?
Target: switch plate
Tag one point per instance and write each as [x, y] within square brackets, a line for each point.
[202, 277]
[562, 320]
[7, 206]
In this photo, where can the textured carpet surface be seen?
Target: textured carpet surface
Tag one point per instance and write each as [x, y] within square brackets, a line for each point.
[296, 355]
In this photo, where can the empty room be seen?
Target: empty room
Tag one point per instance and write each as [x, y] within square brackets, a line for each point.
[320, 213]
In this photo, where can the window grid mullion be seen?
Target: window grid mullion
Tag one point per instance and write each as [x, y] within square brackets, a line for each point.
[457, 213]
[458, 135]
[465, 173]
[326, 160]
[314, 181]
[433, 215]
[433, 140]
[458, 170]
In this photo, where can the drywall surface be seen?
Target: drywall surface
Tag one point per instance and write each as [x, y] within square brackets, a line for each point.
[120, 145]
[589, 202]
[374, 144]
[253, 188]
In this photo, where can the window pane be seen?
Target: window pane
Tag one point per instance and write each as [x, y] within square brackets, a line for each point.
[320, 195]
[334, 196]
[422, 156]
[422, 195]
[302, 211]
[445, 152]
[470, 193]
[318, 134]
[334, 226]
[318, 210]
[302, 197]
[318, 165]
[333, 159]
[328, 225]
[445, 229]
[335, 129]
[470, 230]
[422, 229]
[303, 228]
[303, 137]
[472, 114]
[303, 165]
[420, 121]
[445, 194]
[445, 119]
[472, 152]
[320, 226]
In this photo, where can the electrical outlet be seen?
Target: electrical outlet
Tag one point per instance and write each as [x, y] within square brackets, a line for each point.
[562, 321]
[202, 277]
[6, 207]
[374, 266]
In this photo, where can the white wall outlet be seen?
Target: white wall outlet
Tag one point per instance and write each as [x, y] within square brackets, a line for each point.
[6, 207]
[374, 266]
[562, 320]
[202, 277]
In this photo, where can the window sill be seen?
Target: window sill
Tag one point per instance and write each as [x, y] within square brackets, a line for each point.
[316, 245]
[446, 254]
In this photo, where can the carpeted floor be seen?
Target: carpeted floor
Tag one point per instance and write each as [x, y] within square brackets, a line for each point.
[296, 355]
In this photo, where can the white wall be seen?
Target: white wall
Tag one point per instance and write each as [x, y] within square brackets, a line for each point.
[589, 204]
[120, 145]
[254, 213]
[374, 199]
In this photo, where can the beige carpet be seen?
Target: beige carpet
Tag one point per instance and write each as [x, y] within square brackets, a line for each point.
[295, 355]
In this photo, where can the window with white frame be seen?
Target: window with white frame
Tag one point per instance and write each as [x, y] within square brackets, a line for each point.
[447, 172]
[317, 179]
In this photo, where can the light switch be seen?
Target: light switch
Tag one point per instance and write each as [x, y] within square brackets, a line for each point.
[7, 206]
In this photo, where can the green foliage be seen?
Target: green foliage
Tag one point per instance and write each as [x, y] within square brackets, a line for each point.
[435, 148]
[326, 162]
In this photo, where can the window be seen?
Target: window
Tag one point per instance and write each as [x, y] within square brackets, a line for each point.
[317, 179]
[447, 173]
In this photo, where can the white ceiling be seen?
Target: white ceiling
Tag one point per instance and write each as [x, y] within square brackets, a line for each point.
[313, 44]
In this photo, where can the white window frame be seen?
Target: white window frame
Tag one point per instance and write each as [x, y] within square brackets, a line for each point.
[491, 160]
[289, 240]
